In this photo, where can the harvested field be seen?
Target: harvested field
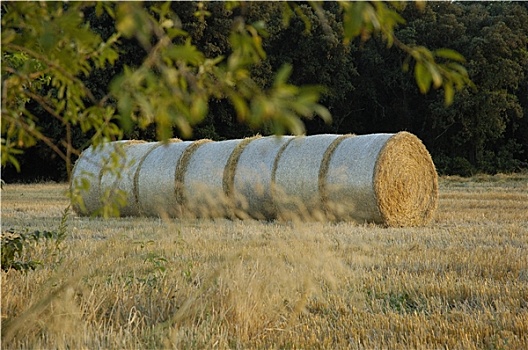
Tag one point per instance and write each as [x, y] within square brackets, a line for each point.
[460, 282]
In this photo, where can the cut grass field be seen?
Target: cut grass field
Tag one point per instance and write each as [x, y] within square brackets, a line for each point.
[459, 283]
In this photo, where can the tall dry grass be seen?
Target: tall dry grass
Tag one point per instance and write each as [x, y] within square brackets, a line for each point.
[461, 282]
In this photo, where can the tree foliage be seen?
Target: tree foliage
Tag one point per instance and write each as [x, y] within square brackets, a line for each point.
[92, 72]
[482, 125]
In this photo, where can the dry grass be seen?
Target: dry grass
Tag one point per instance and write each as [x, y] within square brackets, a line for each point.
[461, 282]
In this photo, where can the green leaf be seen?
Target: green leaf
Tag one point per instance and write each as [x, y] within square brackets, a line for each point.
[8, 36]
[307, 23]
[323, 112]
[199, 109]
[283, 74]
[260, 26]
[295, 125]
[435, 74]
[423, 77]
[126, 23]
[240, 105]
[202, 13]
[12, 159]
[449, 93]
[99, 9]
[48, 40]
[457, 68]
[449, 54]
[353, 19]
[176, 32]
[182, 124]
[287, 13]
[186, 53]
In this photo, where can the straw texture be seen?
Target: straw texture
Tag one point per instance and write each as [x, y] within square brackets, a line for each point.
[388, 179]
[405, 182]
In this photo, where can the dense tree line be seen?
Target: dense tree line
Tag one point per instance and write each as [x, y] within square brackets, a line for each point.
[367, 88]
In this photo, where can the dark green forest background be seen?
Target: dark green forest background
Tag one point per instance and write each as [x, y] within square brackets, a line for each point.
[484, 130]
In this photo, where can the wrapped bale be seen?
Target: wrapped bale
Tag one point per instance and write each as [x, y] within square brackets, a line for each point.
[156, 179]
[253, 175]
[296, 176]
[202, 193]
[383, 178]
[122, 179]
[89, 167]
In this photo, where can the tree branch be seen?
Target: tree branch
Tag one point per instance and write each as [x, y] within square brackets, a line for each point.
[57, 67]
[32, 131]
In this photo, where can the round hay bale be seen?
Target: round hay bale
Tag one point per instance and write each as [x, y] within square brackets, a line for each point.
[296, 177]
[383, 178]
[232, 163]
[405, 182]
[253, 175]
[203, 180]
[323, 172]
[179, 177]
[122, 178]
[156, 183]
[88, 168]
